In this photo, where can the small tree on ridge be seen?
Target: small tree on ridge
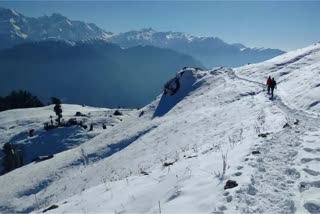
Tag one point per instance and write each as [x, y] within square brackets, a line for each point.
[57, 108]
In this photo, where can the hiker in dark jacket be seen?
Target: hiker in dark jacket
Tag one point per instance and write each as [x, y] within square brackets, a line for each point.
[268, 84]
[273, 85]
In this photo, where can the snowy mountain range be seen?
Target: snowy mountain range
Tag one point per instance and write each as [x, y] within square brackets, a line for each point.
[92, 72]
[17, 28]
[176, 154]
[211, 51]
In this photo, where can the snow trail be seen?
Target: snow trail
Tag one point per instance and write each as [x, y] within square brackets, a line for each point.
[274, 185]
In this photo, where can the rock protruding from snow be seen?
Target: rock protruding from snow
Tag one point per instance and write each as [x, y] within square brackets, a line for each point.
[188, 80]
[230, 184]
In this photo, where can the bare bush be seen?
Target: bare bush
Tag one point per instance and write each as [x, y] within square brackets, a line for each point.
[257, 128]
[84, 157]
[219, 174]
[236, 137]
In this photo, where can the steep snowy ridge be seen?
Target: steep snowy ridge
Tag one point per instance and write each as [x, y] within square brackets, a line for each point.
[167, 156]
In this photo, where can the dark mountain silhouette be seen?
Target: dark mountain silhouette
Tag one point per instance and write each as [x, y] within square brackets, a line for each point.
[92, 73]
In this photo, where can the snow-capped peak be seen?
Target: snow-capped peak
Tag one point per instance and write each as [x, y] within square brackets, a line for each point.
[55, 25]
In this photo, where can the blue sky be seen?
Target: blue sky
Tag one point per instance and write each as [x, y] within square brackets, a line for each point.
[286, 24]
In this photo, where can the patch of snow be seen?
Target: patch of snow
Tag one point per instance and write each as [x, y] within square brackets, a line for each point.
[87, 26]
[107, 35]
[68, 22]
[17, 28]
[15, 12]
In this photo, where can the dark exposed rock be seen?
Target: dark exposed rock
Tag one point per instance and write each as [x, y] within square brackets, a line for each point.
[141, 114]
[72, 122]
[117, 113]
[263, 134]
[31, 132]
[84, 126]
[168, 164]
[256, 152]
[144, 173]
[50, 208]
[296, 122]
[287, 125]
[81, 123]
[230, 184]
[172, 86]
[190, 156]
[79, 114]
[91, 127]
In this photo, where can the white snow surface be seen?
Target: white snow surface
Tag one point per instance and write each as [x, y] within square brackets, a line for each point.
[215, 113]
[15, 125]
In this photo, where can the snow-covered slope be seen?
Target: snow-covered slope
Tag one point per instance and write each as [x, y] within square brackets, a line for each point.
[297, 74]
[167, 157]
[16, 124]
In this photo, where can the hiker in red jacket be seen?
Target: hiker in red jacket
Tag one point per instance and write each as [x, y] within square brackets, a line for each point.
[269, 84]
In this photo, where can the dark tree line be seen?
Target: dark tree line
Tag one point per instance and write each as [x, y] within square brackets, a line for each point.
[19, 99]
